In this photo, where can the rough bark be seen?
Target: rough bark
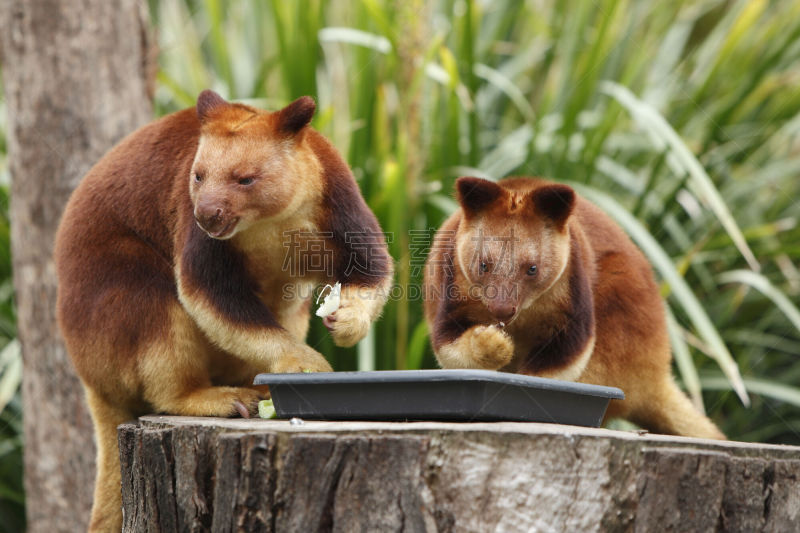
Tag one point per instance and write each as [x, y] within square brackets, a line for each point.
[193, 474]
[75, 77]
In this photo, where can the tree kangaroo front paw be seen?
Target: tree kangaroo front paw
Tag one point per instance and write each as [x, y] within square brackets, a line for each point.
[305, 359]
[485, 347]
[350, 323]
[489, 347]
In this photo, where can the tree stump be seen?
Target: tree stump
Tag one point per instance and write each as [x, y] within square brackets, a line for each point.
[209, 474]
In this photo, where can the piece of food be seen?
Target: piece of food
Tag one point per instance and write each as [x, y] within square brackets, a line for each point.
[331, 302]
[266, 409]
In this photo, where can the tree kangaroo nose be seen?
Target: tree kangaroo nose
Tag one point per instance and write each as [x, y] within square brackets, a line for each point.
[210, 218]
[503, 311]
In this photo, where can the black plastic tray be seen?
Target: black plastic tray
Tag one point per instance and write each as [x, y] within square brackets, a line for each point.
[460, 395]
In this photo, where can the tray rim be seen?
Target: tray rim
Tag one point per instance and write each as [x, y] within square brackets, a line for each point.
[438, 375]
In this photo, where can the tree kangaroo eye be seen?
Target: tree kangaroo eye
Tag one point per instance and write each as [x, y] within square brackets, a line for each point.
[484, 267]
[198, 177]
[532, 270]
[246, 181]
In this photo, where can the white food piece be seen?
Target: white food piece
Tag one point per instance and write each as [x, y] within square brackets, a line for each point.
[331, 302]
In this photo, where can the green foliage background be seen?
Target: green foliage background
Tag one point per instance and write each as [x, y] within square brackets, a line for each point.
[680, 119]
[12, 497]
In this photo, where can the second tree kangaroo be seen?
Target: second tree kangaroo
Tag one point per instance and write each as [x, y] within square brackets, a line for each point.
[528, 277]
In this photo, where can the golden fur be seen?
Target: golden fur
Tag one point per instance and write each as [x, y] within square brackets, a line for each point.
[528, 277]
[173, 267]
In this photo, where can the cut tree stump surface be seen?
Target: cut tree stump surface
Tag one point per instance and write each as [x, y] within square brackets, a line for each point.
[211, 474]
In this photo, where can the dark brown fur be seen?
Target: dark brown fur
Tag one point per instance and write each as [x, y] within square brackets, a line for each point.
[157, 315]
[575, 300]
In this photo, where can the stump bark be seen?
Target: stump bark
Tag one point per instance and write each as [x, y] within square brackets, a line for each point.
[205, 474]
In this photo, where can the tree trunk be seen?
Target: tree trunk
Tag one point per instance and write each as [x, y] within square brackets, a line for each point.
[206, 474]
[76, 81]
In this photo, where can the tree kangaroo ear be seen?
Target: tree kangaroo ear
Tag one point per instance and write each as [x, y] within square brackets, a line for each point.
[554, 201]
[208, 104]
[476, 194]
[295, 116]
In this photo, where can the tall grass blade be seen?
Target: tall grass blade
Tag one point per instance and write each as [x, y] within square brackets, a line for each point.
[768, 388]
[499, 80]
[509, 154]
[357, 37]
[654, 123]
[366, 352]
[683, 359]
[417, 345]
[763, 285]
[10, 372]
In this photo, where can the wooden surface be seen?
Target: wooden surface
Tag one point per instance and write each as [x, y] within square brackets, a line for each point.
[75, 84]
[201, 474]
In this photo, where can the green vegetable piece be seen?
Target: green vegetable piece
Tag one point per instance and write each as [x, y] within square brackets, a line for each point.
[266, 409]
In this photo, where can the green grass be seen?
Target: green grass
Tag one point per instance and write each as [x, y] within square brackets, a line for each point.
[681, 119]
